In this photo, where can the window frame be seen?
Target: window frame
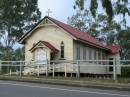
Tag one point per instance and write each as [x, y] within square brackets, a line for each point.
[62, 50]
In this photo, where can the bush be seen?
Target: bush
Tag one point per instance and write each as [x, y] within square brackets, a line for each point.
[125, 72]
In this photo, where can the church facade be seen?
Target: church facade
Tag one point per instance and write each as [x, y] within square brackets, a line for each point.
[51, 39]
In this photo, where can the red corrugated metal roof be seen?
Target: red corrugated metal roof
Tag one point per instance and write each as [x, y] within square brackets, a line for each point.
[79, 35]
[114, 48]
[47, 44]
[86, 36]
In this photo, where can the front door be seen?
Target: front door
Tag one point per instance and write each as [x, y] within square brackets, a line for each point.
[41, 55]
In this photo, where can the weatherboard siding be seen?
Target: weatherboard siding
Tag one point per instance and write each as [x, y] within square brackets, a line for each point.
[54, 35]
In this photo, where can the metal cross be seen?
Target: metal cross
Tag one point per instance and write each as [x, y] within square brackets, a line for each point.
[48, 12]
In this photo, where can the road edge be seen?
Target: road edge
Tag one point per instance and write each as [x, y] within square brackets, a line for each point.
[67, 82]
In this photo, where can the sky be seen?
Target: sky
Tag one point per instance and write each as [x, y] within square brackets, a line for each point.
[61, 9]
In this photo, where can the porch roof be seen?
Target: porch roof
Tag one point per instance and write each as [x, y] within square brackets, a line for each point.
[47, 44]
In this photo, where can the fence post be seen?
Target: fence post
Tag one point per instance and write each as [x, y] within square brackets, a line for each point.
[65, 70]
[20, 69]
[38, 70]
[10, 72]
[53, 70]
[0, 67]
[46, 68]
[78, 69]
[114, 69]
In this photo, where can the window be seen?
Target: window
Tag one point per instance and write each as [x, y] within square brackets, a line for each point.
[95, 54]
[103, 55]
[90, 54]
[111, 64]
[99, 57]
[62, 49]
[78, 52]
[84, 53]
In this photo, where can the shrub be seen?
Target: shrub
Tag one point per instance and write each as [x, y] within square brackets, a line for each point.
[125, 72]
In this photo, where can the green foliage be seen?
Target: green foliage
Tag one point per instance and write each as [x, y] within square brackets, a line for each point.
[93, 7]
[113, 32]
[16, 17]
[112, 7]
[80, 4]
[125, 72]
[124, 41]
[13, 55]
[18, 54]
[84, 21]
[107, 5]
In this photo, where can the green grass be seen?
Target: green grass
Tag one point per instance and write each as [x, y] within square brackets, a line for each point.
[121, 84]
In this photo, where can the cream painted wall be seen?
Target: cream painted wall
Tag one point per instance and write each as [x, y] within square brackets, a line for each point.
[88, 48]
[54, 35]
[117, 58]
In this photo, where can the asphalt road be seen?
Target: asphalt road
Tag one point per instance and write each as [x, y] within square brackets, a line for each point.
[24, 89]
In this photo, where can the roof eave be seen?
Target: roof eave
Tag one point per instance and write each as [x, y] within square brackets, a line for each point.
[92, 44]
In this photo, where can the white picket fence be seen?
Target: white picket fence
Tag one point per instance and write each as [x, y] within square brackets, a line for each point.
[78, 67]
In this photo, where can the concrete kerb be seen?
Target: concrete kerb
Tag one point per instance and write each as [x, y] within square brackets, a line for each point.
[67, 82]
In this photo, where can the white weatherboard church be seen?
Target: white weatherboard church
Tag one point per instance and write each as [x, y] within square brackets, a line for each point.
[51, 39]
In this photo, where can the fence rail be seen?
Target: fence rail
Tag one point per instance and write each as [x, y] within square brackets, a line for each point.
[76, 68]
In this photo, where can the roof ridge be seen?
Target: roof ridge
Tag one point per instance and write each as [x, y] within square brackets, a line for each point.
[83, 36]
[79, 31]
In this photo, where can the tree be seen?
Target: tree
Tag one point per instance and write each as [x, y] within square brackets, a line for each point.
[98, 26]
[84, 21]
[112, 7]
[18, 54]
[16, 17]
[124, 41]
[106, 26]
[113, 32]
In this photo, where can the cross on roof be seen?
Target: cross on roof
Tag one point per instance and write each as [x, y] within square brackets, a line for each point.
[48, 12]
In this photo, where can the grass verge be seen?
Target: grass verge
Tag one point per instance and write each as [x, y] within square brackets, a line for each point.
[121, 84]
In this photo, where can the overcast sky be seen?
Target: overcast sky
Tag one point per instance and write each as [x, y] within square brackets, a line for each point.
[61, 9]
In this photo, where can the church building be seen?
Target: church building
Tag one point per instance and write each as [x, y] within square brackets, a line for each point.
[51, 39]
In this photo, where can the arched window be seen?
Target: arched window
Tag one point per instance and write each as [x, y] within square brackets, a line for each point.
[62, 49]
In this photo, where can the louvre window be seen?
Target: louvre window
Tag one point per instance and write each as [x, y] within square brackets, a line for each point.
[78, 52]
[62, 49]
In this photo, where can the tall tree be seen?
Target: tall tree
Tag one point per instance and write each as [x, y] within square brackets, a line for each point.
[124, 41]
[120, 6]
[18, 54]
[114, 32]
[16, 17]
[84, 21]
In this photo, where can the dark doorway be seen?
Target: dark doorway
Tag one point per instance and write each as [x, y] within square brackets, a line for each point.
[111, 64]
[52, 56]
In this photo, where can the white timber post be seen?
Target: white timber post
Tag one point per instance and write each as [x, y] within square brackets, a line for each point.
[65, 70]
[46, 68]
[38, 70]
[20, 68]
[53, 69]
[10, 72]
[78, 69]
[0, 67]
[17, 72]
[114, 69]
